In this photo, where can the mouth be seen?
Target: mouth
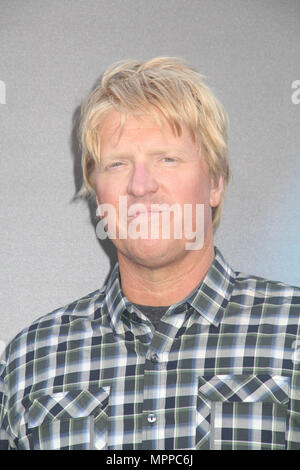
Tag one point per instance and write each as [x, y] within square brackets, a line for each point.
[136, 210]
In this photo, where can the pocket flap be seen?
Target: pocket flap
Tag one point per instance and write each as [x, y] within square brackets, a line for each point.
[67, 405]
[246, 388]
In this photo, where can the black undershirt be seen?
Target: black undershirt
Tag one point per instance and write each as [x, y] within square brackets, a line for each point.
[156, 313]
[153, 313]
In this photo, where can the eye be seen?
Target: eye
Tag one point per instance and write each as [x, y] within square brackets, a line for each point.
[169, 160]
[114, 165]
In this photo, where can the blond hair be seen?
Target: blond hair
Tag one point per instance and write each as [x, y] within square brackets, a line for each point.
[163, 84]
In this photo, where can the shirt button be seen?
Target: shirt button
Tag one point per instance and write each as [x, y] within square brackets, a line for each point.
[151, 418]
[154, 358]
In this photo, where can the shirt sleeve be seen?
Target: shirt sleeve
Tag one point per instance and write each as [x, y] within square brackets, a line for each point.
[6, 441]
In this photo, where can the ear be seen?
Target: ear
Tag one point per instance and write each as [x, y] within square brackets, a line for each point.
[216, 192]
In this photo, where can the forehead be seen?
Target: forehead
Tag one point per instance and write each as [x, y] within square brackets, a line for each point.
[118, 129]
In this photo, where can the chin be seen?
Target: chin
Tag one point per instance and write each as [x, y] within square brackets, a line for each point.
[153, 253]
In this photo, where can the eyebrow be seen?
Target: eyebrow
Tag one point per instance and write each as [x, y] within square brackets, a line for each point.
[151, 154]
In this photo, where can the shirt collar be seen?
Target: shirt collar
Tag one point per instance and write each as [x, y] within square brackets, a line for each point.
[209, 299]
[213, 294]
[115, 301]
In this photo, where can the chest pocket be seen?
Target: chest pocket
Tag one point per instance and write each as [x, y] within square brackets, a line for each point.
[242, 412]
[74, 420]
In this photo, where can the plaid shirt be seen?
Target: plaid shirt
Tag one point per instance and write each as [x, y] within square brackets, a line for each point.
[220, 372]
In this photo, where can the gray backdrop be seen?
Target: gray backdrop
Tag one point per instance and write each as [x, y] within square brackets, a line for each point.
[52, 53]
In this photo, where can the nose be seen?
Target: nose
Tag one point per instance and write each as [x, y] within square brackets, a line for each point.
[142, 180]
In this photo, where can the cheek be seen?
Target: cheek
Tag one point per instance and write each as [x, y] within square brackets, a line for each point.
[106, 191]
[105, 197]
[108, 188]
[192, 191]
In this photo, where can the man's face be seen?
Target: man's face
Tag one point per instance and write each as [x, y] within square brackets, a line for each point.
[145, 165]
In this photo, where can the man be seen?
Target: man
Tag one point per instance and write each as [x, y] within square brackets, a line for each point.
[177, 351]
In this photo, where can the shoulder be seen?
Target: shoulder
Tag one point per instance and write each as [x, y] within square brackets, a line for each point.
[255, 290]
[267, 287]
[50, 329]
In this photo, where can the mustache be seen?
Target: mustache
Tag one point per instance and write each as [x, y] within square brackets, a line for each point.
[144, 208]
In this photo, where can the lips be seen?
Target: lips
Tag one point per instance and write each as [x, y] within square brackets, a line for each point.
[141, 209]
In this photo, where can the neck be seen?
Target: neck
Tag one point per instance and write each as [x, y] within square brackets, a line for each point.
[166, 285]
